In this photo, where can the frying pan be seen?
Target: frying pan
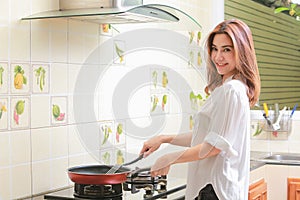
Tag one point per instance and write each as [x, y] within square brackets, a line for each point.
[96, 175]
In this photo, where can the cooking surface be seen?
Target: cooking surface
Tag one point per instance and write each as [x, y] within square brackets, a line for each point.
[174, 186]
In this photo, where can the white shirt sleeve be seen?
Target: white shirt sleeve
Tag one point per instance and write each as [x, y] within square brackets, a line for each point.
[227, 117]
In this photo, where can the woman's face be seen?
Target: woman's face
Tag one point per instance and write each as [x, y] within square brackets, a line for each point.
[222, 54]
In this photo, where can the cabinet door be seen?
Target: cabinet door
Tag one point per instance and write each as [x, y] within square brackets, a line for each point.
[293, 188]
[258, 190]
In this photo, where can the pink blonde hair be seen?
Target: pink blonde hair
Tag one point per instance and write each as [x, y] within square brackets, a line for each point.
[247, 69]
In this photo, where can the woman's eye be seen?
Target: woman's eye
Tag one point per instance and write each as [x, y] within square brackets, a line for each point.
[227, 49]
[214, 49]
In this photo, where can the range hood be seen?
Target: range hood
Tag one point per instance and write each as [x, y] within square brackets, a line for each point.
[109, 11]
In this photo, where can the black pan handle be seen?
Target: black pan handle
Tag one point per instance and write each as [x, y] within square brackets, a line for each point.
[136, 172]
[134, 161]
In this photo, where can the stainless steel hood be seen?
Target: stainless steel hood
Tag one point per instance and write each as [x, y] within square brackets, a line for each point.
[109, 11]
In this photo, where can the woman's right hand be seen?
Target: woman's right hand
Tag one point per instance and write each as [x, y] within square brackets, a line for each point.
[152, 145]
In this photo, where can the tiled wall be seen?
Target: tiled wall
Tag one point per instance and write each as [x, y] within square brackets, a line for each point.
[36, 151]
[36, 147]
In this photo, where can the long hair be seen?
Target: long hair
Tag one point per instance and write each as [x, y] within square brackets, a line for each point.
[246, 64]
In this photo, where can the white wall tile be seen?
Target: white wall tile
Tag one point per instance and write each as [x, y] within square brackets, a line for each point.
[76, 48]
[59, 173]
[75, 145]
[4, 47]
[82, 42]
[21, 181]
[77, 160]
[41, 176]
[40, 139]
[59, 141]
[59, 47]
[59, 78]
[40, 111]
[5, 150]
[5, 182]
[74, 72]
[40, 43]
[90, 47]
[20, 147]
[19, 43]
[279, 146]
[260, 145]
[294, 146]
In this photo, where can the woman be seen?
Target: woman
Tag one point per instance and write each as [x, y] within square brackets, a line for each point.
[219, 148]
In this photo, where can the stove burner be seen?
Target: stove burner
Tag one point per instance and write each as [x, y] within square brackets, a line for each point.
[143, 180]
[113, 191]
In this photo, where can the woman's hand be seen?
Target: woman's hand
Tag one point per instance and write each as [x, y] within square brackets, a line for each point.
[161, 166]
[151, 145]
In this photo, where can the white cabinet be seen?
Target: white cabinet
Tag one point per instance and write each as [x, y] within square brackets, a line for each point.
[276, 178]
[257, 174]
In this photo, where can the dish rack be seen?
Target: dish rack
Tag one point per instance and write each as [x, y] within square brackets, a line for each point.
[262, 129]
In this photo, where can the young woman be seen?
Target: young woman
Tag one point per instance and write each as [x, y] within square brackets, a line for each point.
[219, 147]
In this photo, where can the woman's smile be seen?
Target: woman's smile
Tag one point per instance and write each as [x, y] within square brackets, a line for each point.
[222, 54]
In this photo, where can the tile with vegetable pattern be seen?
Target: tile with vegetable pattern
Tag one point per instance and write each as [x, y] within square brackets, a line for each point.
[40, 75]
[20, 112]
[20, 78]
[3, 78]
[3, 113]
[58, 109]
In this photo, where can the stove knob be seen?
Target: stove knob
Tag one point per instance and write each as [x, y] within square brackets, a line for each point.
[162, 187]
[148, 191]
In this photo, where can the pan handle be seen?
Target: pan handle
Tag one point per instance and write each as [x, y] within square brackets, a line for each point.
[134, 161]
[136, 172]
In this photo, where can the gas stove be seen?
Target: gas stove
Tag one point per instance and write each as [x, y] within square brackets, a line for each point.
[137, 186]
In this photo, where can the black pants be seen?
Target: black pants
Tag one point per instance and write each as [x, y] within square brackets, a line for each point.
[207, 193]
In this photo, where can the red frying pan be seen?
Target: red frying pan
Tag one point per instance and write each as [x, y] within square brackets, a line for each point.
[97, 174]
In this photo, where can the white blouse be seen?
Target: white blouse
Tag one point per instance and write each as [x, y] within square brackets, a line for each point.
[223, 122]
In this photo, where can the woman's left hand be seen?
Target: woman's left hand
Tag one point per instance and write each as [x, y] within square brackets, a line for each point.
[161, 166]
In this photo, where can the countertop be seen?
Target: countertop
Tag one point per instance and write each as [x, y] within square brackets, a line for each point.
[257, 159]
[255, 156]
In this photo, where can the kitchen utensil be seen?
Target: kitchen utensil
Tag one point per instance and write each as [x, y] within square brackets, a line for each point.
[116, 167]
[276, 125]
[266, 109]
[276, 112]
[295, 107]
[266, 114]
[96, 175]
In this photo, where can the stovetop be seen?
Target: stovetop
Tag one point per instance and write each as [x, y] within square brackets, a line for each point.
[175, 190]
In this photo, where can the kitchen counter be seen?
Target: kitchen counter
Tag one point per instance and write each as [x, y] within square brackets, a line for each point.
[258, 159]
[254, 156]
